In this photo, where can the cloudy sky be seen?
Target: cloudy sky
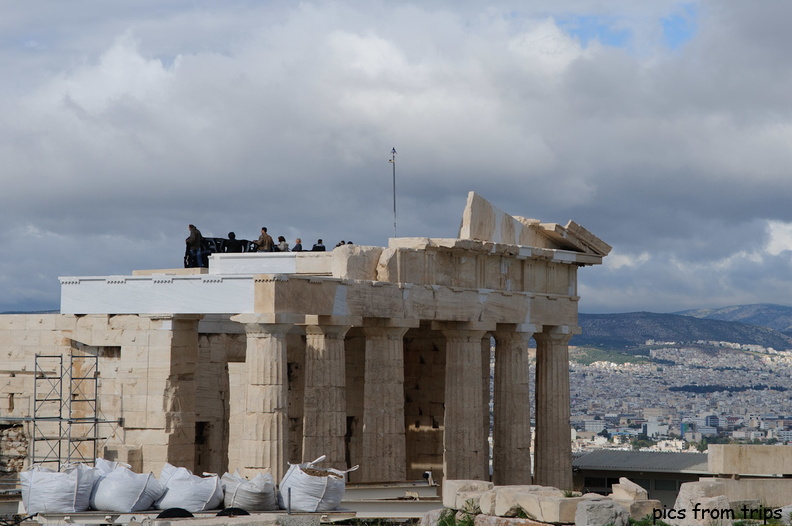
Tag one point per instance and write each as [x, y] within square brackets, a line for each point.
[663, 127]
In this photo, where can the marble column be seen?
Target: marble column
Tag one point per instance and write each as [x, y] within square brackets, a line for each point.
[464, 437]
[384, 448]
[265, 425]
[511, 434]
[553, 441]
[324, 417]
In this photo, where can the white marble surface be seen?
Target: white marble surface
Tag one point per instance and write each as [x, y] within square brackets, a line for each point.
[317, 263]
[160, 293]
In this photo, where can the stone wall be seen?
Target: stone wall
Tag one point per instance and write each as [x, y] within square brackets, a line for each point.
[13, 449]
[146, 380]
[212, 407]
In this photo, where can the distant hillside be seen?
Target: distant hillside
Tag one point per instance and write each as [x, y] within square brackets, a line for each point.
[778, 317]
[629, 330]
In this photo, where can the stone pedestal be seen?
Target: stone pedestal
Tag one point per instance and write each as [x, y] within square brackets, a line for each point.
[324, 420]
[553, 442]
[464, 438]
[384, 454]
[511, 435]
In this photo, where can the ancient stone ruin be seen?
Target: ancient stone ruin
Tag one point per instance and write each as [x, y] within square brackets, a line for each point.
[378, 356]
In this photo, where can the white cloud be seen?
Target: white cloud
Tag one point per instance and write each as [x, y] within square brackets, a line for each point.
[615, 260]
[780, 237]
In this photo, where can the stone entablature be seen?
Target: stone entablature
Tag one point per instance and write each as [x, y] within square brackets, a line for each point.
[458, 265]
[379, 299]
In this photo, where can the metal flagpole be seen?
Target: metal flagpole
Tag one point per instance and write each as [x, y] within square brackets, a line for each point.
[393, 162]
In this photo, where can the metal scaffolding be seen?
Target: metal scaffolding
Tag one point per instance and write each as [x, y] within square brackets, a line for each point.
[65, 419]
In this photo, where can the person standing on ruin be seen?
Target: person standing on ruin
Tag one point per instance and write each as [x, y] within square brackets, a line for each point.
[233, 244]
[297, 245]
[264, 242]
[195, 246]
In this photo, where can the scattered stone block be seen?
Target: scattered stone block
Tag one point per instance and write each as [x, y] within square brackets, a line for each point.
[786, 515]
[705, 511]
[749, 504]
[638, 509]
[509, 500]
[690, 492]
[468, 501]
[432, 518]
[628, 490]
[452, 487]
[559, 509]
[531, 504]
[487, 501]
[600, 513]
[701, 492]
[492, 520]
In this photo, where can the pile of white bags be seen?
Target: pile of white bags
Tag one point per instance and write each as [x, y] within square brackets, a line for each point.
[307, 488]
[188, 491]
[121, 490]
[257, 494]
[48, 491]
[113, 487]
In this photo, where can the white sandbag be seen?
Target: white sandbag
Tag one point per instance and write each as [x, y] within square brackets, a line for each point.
[256, 494]
[188, 491]
[48, 491]
[103, 467]
[305, 487]
[124, 491]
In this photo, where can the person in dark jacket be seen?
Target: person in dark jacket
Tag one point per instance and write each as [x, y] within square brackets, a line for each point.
[297, 245]
[318, 247]
[195, 247]
[233, 244]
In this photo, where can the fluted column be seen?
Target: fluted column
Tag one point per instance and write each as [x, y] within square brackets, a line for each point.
[511, 435]
[384, 449]
[553, 443]
[465, 453]
[324, 418]
[265, 424]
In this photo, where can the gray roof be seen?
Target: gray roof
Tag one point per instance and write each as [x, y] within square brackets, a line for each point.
[659, 461]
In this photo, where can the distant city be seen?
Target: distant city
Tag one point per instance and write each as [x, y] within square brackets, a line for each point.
[682, 397]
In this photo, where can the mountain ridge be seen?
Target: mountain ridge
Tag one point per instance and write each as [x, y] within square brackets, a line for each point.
[756, 324]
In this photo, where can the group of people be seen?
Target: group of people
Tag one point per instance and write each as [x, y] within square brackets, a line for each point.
[265, 243]
[197, 251]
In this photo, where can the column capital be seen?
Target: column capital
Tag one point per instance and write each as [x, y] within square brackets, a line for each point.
[263, 325]
[521, 328]
[558, 334]
[334, 327]
[268, 318]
